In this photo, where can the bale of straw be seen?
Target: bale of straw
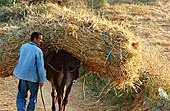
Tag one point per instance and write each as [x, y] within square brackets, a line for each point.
[102, 47]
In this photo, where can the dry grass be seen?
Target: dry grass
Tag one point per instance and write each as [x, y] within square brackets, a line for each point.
[79, 32]
[149, 23]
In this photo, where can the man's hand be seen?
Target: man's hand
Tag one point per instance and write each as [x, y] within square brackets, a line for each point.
[41, 85]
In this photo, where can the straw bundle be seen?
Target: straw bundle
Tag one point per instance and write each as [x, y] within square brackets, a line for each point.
[103, 47]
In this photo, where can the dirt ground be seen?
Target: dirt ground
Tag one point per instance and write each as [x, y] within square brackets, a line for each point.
[8, 91]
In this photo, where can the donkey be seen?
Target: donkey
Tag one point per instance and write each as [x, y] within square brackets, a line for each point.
[62, 70]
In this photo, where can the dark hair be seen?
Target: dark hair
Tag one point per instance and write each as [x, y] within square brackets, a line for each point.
[35, 35]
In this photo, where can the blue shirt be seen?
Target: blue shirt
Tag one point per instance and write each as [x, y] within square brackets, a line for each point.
[30, 66]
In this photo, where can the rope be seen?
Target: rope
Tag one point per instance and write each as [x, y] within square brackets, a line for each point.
[53, 68]
[59, 71]
[108, 52]
[42, 99]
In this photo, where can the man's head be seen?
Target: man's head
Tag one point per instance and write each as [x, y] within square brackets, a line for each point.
[36, 37]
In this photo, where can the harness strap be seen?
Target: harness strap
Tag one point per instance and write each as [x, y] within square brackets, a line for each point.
[53, 68]
[59, 71]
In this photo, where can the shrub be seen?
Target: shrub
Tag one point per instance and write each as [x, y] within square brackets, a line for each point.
[8, 2]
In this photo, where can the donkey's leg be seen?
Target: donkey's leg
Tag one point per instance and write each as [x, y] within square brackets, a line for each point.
[53, 94]
[60, 97]
[65, 101]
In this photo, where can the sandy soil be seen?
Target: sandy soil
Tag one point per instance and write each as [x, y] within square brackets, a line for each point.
[8, 91]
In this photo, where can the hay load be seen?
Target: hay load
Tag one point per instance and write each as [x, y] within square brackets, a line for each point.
[102, 47]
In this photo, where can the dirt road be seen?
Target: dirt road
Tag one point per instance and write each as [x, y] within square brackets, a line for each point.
[8, 91]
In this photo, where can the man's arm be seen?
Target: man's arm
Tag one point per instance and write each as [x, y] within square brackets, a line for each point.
[40, 69]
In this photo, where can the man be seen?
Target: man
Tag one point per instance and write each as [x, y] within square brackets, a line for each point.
[30, 71]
